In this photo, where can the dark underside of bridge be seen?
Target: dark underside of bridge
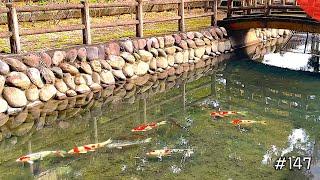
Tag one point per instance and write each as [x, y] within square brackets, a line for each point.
[279, 22]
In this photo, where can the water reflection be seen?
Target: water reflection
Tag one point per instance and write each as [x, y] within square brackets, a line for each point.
[288, 101]
[301, 52]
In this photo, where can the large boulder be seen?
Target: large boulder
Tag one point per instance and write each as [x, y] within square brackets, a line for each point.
[31, 60]
[35, 77]
[16, 65]
[58, 57]
[116, 62]
[4, 68]
[47, 92]
[107, 77]
[18, 79]
[141, 68]
[15, 97]
[145, 55]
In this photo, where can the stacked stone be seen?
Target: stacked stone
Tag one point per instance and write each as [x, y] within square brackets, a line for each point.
[265, 34]
[37, 77]
[93, 104]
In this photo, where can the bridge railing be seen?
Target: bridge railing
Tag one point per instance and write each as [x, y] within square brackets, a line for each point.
[266, 7]
[14, 33]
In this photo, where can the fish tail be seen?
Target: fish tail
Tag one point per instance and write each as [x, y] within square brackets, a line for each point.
[162, 123]
[61, 153]
[147, 140]
[243, 113]
[106, 142]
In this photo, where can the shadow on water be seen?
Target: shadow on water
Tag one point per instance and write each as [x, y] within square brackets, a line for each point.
[289, 101]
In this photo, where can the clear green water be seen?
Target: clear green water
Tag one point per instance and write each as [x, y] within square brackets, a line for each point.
[287, 100]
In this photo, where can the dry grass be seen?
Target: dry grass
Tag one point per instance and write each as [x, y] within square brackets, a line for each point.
[64, 39]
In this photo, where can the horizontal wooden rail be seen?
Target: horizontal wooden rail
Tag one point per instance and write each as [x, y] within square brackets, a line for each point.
[160, 2]
[51, 30]
[123, 23]
[199, 15]
[162, 20]
[247, 8]
[284, 7]
[108, 5]
[52, 7]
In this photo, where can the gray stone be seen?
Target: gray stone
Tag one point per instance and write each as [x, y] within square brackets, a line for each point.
[224, 31]
[82, 88]
[127, 45]
[214, 46]
[107, 77]
[3, 119]
[71, 93]
[105, 65]
[58, 57]
[199, 42]
[161, 42]
[116, 62]
[96, 66]
[60, 85]
[92, 53]
[185, 56]
[71, 55]
[82, 54]
[18, 79]
[219, 33]
[4, 68]
[170, 50]
[45, 59]
[68, 68]
[87, 78]
[145, 55]
[191, 54]
[85, 67]
[47, 92]
[16, 65]
[112, 48]
[31, 60]
[162, 62]
[118, 74]
[23, 129]
[162, 53]
[128, 57]
[69, 80]
[96, 77]
[32, 93]
[57, 72]
[15, 97]
[191, 43]
[199, 52]
[47, 75]
[141, 68]
[3, 107]
[171, 60]
[198, 35]
[78, 79]
[128, 70]
[2, 82]
[154, 52]
[153, 64]
[178, 58]
[34, 76]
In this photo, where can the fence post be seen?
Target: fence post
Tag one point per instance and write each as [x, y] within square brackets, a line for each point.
[249, 4]
[13, 26]
[139, 17]
[267, 8]
[181, 14]
[85, 17]
[214, 17]
[230, 6]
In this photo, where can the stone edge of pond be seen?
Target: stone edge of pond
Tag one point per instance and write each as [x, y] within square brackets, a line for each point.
[28, 81]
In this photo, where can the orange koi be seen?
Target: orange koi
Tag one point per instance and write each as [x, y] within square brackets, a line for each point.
[88, 147]
[147, 127]
[246, 122]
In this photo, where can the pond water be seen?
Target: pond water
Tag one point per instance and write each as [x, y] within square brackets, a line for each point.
[288, 101]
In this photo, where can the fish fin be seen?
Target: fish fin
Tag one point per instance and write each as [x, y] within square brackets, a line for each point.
[147, 140]
[162, 123]
[30, 162]
[106, 142]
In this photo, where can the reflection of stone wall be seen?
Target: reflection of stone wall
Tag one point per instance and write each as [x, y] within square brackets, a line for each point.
[60, 80]
[93, 104]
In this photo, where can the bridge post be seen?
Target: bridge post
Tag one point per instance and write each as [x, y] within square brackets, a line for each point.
[215, 13]
[13, 26]
[230, 6]
[85, 17]
[139, 17]
[267, 8]
[181, 14]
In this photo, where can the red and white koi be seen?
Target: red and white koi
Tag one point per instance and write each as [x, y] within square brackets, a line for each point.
[222, 114]
[147, 127]
[30, 158]
[88, 147]
[246, 122]
[121, 144]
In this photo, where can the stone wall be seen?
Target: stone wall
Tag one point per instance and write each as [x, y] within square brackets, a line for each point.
[31, 80]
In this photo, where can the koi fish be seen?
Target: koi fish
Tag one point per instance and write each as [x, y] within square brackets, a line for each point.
[88, 147]
[222, 114]
[168, 152]
[121, 144]
[147, 127]
[30, 158]
[246, 122]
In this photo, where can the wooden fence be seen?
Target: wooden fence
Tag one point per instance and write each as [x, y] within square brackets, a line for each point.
[265, 7]
[14, 33]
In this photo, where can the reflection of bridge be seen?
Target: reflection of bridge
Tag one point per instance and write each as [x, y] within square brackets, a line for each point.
[268, 14]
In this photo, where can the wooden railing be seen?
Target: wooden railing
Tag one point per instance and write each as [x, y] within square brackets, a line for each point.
[14, 33]
[266, 7]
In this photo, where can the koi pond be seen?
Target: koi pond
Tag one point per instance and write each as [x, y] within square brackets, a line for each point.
[193, 143]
